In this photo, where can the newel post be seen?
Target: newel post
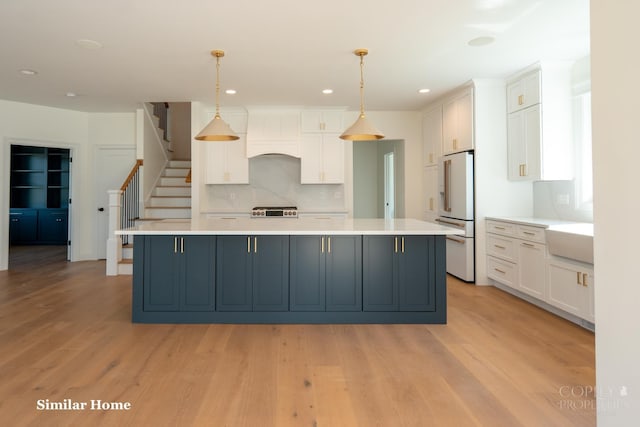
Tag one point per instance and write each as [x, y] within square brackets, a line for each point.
[114, 242]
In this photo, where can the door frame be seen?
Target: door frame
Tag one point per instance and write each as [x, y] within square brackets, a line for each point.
[5, 192]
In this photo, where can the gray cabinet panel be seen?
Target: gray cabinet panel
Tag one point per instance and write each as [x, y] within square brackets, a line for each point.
[416, 272]
[161, 274]
[199, 271]
[234, 289]
[344, 273]
[379, 274]
[307, 273]
[270, 270]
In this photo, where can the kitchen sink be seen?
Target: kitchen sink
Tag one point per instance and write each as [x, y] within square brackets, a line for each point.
[573, 241]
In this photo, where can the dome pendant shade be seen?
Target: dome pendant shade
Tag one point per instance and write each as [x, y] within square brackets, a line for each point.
[217, 130]
[362, 130]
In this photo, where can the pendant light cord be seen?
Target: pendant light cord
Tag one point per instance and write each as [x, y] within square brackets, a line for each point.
[361, 85]
[217, 86]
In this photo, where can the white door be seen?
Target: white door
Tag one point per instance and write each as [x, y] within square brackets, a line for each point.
[389, 187]
[112, 165]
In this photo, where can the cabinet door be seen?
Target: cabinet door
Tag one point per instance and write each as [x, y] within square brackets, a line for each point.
[380, 284]
[431, 198]
[311, 159]
[531, 260]
[524, 92]
[53, 226]
[234, 289]
[416, 273]
[565, 289]
[226, 162]
[270, 267]
[307, 273]
[161, 273]
[23, 226]
[449, 127]
[524, 144]
[344, 273]
[198, 273]
[332, 159]
[464, 115]
[432, 136]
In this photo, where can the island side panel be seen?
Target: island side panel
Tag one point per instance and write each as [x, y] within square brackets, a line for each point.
[137, 313]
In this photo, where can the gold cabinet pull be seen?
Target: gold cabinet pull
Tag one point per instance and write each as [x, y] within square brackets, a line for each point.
[520, 99]
[430, 203]
[455, 144]
[578, 278]
[182, 245]
[584, 279]
[255, 245]
[328, 244]
[528, 245]
[498, 228]
[175, 245]
[395, 244]
[322, 244]
[430, 157]
[402, 244]
[248, 244]
[499, 247]
[500, 271]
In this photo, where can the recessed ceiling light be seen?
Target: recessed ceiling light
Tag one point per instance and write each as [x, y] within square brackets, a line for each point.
[424, 90]
[230, 91]
[327, 91]
[27, 72]
[71, 94]
[89, 44]
[481, 41]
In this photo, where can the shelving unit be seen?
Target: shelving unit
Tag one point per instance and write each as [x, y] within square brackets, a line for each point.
[39, 195]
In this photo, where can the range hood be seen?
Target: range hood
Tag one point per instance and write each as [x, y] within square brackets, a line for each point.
[273, 131]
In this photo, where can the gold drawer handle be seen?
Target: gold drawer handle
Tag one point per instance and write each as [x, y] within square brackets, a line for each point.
[500, 271]
[499, 247]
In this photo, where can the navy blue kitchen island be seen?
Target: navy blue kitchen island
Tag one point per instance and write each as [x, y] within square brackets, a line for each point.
[289, 271]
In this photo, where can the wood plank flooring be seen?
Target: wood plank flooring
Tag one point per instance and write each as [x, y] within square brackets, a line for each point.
[65, 333]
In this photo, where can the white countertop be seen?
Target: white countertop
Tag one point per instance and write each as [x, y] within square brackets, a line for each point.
[289, 226]
[535, 222]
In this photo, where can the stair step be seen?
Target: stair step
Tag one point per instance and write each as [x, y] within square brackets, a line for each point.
[178, 191]
[173, 181]
[125, 267]
[182, 172]
[164, 212]
[127, 252]
[184, 164]
[173, 201]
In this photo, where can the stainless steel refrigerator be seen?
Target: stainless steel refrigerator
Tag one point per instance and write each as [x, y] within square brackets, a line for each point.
[457, 210]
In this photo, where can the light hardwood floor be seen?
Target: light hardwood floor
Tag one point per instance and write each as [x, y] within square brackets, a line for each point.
[65, 333]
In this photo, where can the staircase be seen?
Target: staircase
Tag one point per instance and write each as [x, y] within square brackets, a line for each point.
[170, 199]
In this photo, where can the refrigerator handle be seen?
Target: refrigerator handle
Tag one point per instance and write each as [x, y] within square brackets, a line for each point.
[447, 184]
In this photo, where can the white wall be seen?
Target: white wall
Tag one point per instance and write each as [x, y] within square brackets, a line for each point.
[155, 154]
[180, 130]
[615, 68]
[38, 125]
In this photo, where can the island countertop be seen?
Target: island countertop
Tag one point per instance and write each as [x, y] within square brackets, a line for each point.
[289, 226]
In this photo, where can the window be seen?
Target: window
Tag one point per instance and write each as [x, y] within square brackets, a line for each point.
[582, 138]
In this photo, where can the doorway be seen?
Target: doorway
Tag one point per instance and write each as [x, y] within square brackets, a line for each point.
[378, 178]
[39, 199]
[389, 186]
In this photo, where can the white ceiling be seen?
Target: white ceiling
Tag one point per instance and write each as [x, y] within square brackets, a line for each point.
[278, 52]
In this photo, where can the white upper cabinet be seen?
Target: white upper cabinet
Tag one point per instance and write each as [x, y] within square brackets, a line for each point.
[430, 177]
[273, 131]
[227, 162]
[313, 121]
[540, 145]
[457, 123]
[432, 136]
[524, 92]
[322, 158]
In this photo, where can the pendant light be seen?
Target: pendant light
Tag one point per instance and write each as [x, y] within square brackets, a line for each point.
[362, 129]
[217, 129]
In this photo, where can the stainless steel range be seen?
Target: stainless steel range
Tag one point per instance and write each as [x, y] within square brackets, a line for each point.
[274, 212]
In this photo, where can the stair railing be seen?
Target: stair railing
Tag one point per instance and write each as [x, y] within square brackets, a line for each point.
[130, 200]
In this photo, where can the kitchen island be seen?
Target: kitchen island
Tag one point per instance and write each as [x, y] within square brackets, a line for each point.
[289, 270]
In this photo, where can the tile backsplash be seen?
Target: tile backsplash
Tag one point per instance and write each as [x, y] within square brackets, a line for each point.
[274, 180]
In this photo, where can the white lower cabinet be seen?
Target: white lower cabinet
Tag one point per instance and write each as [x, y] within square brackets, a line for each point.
[531, 259]
[570, 287]
[517, 257]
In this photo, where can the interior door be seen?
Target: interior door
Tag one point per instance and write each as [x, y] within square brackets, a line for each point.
[112, 165]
